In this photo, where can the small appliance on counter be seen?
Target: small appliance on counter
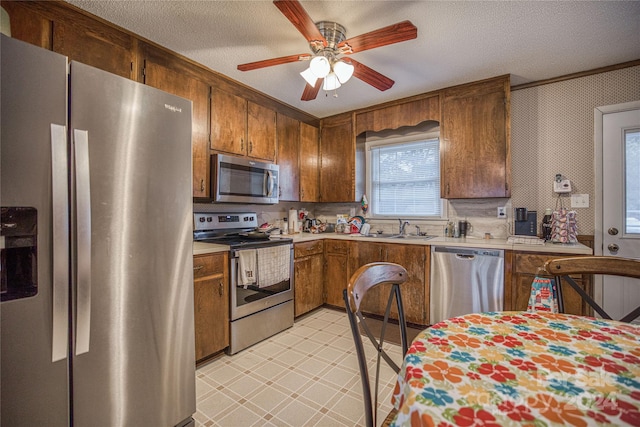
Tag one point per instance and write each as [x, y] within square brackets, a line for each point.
[526, 222]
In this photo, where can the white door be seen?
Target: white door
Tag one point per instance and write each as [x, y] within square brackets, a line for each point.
[618, 233]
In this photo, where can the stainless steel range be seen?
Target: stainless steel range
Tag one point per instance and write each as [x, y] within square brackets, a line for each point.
[261, 275]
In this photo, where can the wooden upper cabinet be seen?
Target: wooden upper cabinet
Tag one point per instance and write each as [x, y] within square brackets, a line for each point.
[228, 122]
[309, 161]
[261, 132]
[198, 92]
[28, 25]
[475, 140]
[97, 45]
[409, 113]
[337, 154]
[242, 127]
[288, 160]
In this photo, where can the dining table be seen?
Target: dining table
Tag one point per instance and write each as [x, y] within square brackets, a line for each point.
[521, 368]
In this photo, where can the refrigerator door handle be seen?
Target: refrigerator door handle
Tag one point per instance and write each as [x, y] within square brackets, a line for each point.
[83, 224]
[60, 215]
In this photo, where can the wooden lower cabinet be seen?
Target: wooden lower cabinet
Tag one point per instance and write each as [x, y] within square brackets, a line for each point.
[211, 303]
[336, 271]
[308, 277]
[525, 267]
[415, 259]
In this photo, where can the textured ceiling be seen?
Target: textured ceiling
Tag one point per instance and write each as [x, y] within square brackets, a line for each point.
[457, 42]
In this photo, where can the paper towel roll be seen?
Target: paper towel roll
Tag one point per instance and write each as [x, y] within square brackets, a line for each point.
[293, 221]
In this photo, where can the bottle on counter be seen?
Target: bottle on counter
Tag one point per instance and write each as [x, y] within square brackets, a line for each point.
[546, 225]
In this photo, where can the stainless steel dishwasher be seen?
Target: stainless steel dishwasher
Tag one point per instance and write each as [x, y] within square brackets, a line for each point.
[465, 280]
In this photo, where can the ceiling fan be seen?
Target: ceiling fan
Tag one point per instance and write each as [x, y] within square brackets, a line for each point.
[328, 42]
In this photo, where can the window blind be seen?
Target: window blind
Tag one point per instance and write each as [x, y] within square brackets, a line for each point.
[405, 179]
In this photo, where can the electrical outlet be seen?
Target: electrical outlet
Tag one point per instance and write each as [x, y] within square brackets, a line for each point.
[502, 212]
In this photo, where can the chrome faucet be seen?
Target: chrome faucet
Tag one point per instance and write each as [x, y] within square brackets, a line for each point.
[403, 226]
[418, 233]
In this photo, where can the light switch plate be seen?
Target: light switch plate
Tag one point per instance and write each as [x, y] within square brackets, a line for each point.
[502, 212]
[579, 200]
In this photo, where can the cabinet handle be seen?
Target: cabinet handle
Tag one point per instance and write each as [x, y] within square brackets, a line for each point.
[447, 189]
[198, 267]
[202, 185]
[221, 289]
[241, 144]
[250, 146]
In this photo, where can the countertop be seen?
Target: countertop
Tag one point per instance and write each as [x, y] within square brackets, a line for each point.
[577, 248]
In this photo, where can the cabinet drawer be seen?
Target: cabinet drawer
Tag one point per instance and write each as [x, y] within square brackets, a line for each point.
[208, 265]
[308, 248]
[529, 263]
[336, 247]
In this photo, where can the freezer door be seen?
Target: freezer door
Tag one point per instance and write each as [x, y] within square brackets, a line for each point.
[34, 371]
[133, 345]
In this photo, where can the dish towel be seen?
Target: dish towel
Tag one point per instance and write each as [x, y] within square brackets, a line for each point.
[273, 265]
[543, 295]
[247, 262]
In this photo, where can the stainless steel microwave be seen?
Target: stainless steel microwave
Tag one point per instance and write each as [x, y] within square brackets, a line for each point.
[241, 180]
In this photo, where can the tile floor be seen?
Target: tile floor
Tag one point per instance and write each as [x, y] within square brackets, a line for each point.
[304, 376]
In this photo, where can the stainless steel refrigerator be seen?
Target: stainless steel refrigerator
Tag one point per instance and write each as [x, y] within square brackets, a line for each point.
[97, 293]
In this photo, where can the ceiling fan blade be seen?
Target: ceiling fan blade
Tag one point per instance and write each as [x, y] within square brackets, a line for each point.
[273, 61]
[295, 13]
[370, 76]
[310, 92]
[396, 33]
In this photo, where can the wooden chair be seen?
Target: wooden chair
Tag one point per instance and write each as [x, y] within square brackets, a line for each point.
[561, 268]
[365, 278]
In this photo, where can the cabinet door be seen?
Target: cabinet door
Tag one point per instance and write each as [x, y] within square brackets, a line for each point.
[337, 157]
[336, 271]
[261, 132]
[475, 144]
[525, 268]
[28, 25]
[309, 161]
[413, 258]
[335, 279]
[198, 92]
[288, 144]
[228, 122]
[97, 45]
[211, 304]
[308, 283]
[365, 253]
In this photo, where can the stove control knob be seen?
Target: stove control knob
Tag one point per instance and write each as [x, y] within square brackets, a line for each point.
[201, 219]
[209, 219]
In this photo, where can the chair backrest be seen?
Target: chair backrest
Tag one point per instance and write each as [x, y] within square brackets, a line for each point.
[364, 279]
[562, 268]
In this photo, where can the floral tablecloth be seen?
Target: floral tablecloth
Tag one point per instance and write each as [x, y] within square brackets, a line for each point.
[517, 368]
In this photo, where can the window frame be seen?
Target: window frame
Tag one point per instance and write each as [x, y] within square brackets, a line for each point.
[401, 140]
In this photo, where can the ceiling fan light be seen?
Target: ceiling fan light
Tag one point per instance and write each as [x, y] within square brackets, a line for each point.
[331, 82]
[309, 76]
[343, 71]
[320, 66]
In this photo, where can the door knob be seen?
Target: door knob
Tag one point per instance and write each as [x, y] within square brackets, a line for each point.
[613, 247]
[612, 231]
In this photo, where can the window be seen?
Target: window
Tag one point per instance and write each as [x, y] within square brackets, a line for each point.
[403, 178]
[632, 181]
